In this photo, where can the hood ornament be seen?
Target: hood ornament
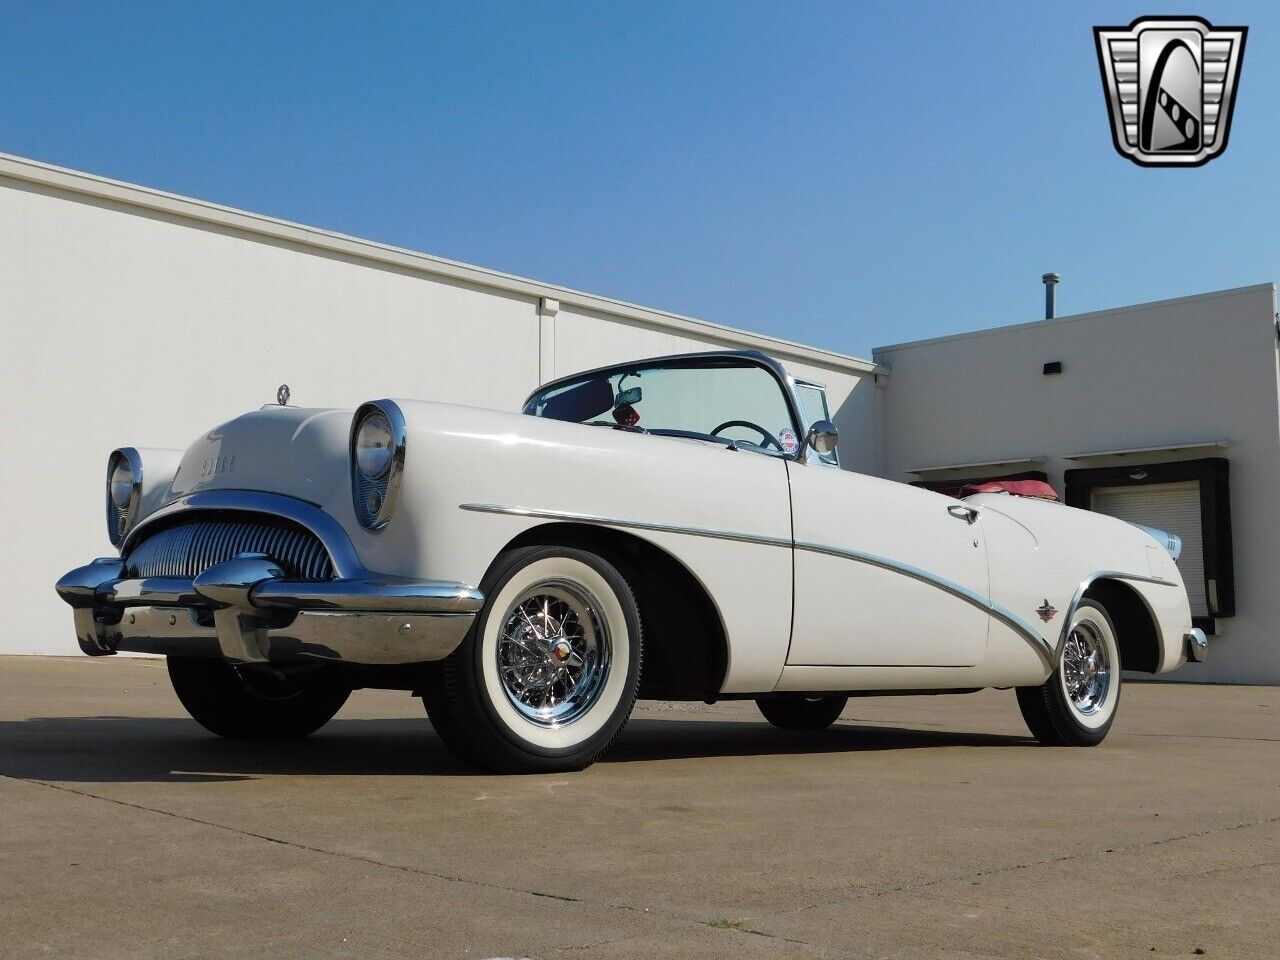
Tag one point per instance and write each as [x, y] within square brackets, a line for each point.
[282, 395]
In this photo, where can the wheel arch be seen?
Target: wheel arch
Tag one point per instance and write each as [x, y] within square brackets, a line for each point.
[686, 645]
[1137, 632]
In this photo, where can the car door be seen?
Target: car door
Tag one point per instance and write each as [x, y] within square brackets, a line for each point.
[886, 574]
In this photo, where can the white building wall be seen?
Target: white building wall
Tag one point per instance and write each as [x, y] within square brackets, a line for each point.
[1162, 374]
[130, 317]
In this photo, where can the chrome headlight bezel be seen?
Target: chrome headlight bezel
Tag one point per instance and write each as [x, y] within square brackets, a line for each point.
[121, 518]
[120, 483]
[374, 495]
[373, 445]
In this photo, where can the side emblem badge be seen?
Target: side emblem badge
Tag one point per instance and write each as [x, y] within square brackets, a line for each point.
[1047, 610]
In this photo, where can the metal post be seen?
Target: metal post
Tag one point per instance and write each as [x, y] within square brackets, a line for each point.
[1050, 281]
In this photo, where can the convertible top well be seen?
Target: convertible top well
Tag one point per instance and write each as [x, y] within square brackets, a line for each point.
[1036, 489]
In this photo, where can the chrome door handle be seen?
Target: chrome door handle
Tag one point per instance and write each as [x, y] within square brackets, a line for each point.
[967, 514]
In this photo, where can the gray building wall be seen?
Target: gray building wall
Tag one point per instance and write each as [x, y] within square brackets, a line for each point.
[1175, 374]
[133, 317]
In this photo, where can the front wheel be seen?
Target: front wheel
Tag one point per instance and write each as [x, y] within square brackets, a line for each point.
[1076, 706]
[549, 673]
[248, 703]
[802, 713]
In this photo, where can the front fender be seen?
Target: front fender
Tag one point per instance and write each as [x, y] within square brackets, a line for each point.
[684, 496]
[1044, 557]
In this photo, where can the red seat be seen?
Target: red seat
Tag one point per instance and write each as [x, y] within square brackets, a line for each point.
[1018, 488]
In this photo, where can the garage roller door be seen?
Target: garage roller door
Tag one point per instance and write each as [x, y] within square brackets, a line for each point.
[1169, 506]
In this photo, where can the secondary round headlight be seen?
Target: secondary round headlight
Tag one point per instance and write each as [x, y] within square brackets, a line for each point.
[378, 437]
[122, 484]
[374, 445]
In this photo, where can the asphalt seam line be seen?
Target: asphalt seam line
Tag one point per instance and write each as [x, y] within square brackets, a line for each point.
[353, 857]
[857, 893]
[371, 861]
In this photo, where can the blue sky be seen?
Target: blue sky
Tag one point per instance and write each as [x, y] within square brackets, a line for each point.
[839, 174]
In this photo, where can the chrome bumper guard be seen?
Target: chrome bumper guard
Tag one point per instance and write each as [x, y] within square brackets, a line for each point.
[1197, 645]
[245, 610]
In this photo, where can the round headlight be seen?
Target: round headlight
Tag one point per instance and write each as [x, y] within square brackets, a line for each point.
[374, 445]
[122, 484]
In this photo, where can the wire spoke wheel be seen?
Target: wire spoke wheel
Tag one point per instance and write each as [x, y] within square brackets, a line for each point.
[549, 673]
[1076, 704]
[553, 652]
[1086, 669]
[269, 686]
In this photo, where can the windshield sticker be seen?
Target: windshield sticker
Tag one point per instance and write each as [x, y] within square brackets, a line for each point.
[787, 437]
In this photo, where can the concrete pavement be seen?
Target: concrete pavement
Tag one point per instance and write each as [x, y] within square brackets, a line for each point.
[917, 827]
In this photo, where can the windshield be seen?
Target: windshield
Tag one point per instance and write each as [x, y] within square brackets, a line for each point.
[724, 400]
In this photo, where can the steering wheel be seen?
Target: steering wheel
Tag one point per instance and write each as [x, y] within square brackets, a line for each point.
[767, 438]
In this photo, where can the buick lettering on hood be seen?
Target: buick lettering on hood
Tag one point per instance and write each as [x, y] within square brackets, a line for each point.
[676, 528]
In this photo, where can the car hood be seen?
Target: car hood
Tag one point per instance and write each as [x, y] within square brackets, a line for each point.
[1050, 520]
[294, 451]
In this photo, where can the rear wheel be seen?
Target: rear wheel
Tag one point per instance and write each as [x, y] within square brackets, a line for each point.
[549, 673]
[249, 703]
[1076, 706]
[802, 713]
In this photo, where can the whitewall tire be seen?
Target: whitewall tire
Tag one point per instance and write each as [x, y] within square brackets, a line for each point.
[549, 673]
[1077, 704]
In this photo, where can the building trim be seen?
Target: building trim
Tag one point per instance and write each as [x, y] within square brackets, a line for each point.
[1072, 318]
[982, 465]
[255, 224]
[1159, 448]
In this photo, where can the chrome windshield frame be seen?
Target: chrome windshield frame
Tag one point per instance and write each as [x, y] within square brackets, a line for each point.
[811, 455]
[692, 360]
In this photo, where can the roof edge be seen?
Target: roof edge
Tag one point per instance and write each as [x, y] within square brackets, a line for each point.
[148, 198]
[1071, 318]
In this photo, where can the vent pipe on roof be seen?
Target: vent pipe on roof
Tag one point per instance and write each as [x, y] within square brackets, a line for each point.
[1050, 281]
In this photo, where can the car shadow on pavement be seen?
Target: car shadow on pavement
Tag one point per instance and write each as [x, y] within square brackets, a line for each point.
[110, 749]
[646, 739]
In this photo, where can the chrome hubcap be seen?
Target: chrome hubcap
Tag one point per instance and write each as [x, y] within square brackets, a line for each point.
[553, 652]
[1086, 669]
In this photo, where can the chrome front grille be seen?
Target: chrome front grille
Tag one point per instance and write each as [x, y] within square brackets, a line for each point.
[185, 549]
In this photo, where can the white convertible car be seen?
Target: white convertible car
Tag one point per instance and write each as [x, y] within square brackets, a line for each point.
[669, 528]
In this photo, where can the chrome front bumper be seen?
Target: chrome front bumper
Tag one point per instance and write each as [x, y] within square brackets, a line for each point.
[1197, 645]
[245, 610]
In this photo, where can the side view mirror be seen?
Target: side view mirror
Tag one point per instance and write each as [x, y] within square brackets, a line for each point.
[823, 437]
